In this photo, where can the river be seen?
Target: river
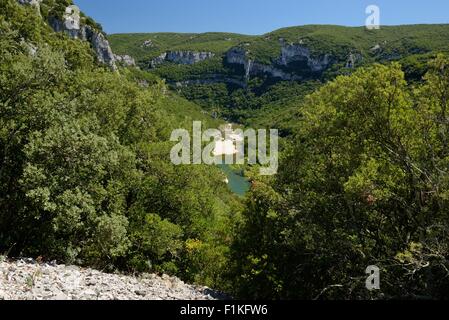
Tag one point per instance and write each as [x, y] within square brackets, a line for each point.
[236, 183]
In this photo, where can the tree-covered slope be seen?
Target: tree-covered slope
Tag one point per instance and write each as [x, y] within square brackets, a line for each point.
[146, 46]
[363, 176]
[363, 181]
[85, 173]
[245, 68]
[389, 42]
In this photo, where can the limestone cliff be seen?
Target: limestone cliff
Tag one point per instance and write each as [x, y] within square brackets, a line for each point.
[97, 40]
[292, 53]
[71, 25]
[293, 63]
[181, 57]
[125, 60]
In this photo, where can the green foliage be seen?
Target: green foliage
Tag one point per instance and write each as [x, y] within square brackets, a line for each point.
[56, 9]
[85, 174]
[156, 242]
[394, 42]
[133, 44]
[202, 70]
[388, 43]
[223, 90]
[364, 183]
[416, 66]
[261, 104]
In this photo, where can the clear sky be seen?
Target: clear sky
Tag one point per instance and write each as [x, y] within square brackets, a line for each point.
[253, 16]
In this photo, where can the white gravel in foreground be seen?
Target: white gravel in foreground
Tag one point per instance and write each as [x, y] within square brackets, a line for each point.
[28, 280]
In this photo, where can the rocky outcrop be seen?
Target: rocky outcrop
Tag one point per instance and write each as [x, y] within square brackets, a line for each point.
[147, 44]
[254, 68]
[291, 53]
[188, 57]
[239, 56]
[125, 60]
[376, 49]
[97, 39]
[285, 67]
[101, 47]
[59, 25]
[70, 24]
[29, 280]
[353, 60]
[158, 60]
[29, 47]
[181, 57]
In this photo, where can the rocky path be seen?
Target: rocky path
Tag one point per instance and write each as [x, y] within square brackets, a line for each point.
[28, 280]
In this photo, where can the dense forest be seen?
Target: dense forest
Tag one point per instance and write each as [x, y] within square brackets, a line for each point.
[85, 167]
[86, 176]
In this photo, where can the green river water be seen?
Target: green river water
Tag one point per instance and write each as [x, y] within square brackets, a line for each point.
[237, 184]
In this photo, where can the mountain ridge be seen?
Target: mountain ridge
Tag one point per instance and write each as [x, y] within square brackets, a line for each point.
[291, 34]
[226, 66]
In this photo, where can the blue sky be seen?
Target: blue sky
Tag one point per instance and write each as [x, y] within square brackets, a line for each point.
[253, 16]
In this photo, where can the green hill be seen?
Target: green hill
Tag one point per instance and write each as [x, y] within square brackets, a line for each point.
[392, 41]
[134, 44]
[363, 179]
[305, 53]
[85, 172]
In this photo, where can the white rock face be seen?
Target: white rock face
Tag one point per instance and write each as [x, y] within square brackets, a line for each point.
[125, 60]
[181, 57]
[158, 60]
[239, 56]
[97, 40]
[293, 53]
[72, 18]
[29, 280]
[188, 57]
[70, 24]
[353, 60]
[101, 47]
[86, 33]
[377, 47]
[147, 44]
[290, 53]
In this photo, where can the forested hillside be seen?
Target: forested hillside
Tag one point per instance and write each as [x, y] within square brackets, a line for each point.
[364, 172]
[85, 173]
[251, 78]
[364, 181]
[86, 178]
